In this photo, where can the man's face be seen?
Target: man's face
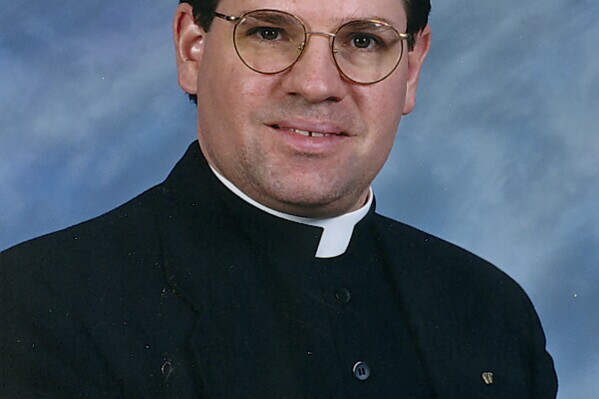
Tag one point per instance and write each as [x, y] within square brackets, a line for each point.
[250, 125]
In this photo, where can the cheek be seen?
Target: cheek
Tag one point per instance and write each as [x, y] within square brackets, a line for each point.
[220, 98]
[382, 108]
[395, 94]
[230, 119]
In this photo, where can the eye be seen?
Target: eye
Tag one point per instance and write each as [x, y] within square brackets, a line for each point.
[362, 40]
[267, 33]
[367, 37]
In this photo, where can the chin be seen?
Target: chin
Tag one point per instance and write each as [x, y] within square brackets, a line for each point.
[300, 192]
[302, 201]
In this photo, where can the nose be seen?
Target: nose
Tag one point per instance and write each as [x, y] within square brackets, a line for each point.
[315, 76]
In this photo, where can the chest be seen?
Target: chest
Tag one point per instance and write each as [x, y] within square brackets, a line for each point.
[304, 327]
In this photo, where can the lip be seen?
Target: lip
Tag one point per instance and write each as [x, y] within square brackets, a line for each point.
[319, 129]
[310, 137]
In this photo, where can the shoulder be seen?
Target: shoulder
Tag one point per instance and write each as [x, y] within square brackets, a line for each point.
[139, 210]
[62, 292]
[468, 315]
[84, 252]
[445, 268]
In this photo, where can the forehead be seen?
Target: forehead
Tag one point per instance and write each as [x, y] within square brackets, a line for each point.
[324, 12]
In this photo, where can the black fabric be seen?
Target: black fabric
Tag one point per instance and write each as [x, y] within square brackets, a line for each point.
[187, 291]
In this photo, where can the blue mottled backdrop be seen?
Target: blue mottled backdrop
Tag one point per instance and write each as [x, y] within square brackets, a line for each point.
[501, 155]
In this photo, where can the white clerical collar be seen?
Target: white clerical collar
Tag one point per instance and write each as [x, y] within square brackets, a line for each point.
[337, 231]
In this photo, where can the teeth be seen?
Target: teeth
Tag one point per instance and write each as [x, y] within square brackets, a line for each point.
[302, 132]
[311, 134]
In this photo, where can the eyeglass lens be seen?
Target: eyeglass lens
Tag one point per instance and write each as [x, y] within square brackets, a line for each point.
[271, 41]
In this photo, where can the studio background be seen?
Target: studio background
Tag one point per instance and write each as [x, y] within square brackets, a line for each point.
[501, 155]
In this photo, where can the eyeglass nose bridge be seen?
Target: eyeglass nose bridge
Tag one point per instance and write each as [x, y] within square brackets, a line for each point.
[307, 35]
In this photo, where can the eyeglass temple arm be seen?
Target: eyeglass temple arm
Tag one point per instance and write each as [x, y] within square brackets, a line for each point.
[229, 18]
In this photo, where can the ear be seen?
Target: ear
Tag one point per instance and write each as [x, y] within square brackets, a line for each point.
[189, 47]
[415, 60]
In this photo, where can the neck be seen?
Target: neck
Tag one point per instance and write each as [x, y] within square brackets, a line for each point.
[337, 230]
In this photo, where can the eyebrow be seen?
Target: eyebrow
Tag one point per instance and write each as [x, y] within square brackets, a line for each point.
[357, 17]
[370, 17]
[338, 21]
[271, 18]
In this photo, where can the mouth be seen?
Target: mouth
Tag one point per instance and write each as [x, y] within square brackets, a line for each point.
[309, 133]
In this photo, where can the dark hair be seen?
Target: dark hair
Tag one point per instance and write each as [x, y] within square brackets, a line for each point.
[203, 11]
[417, 12]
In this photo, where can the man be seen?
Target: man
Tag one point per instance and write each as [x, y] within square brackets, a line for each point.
[259, 268]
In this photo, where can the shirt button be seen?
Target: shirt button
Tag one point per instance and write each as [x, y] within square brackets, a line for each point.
[342, 295]
[361, 371]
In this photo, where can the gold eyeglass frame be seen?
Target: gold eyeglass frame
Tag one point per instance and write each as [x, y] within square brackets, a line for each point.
[331, 36]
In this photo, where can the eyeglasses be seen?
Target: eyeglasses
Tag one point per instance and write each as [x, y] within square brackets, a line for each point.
[270, 41]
